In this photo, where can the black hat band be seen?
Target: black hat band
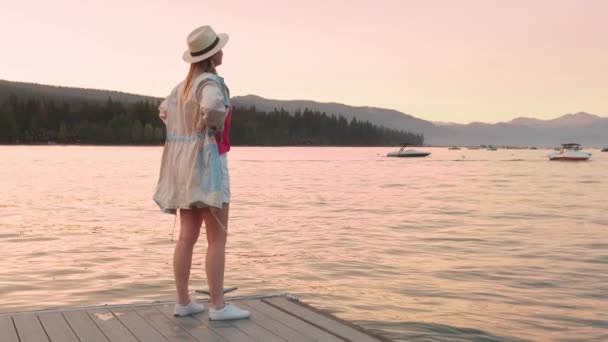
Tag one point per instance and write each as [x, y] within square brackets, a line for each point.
[207, 49]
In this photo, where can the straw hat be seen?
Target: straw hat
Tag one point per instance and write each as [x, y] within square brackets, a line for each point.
[203, 43]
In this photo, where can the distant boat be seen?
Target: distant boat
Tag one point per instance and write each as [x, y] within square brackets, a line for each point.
[605, 149]
[454, 148]
[491, 148]
[570, 152]
[403, 153]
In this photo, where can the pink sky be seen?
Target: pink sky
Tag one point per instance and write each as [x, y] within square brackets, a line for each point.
[458, 61]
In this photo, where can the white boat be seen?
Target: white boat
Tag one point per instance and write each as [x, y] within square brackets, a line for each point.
[403, 153]
[570, 152]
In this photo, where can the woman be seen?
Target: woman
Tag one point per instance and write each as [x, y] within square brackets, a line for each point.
[193, 176]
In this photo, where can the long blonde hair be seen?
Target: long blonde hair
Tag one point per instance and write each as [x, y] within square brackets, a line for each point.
[196, 69]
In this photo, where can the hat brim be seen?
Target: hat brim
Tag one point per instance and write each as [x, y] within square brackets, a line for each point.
[190, 59]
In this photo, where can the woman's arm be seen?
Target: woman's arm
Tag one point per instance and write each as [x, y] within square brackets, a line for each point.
[212, 106]
[162, 110]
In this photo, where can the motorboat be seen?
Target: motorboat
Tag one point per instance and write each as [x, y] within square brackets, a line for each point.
[403, 153]
[571, 151]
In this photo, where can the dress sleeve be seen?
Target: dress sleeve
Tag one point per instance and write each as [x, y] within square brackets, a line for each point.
[212, 106]
[162, 109]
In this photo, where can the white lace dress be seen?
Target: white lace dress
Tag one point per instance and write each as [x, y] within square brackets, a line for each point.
[190, 171]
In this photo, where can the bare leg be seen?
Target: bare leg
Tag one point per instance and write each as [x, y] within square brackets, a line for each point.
[190, 228]
[215, 260]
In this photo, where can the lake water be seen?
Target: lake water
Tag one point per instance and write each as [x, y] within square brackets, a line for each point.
[467, 245]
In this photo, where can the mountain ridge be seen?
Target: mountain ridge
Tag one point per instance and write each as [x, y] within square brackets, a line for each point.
[249, 97]
[586, 128]
[37, 89]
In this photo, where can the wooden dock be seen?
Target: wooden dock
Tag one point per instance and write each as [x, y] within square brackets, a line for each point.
[274, 317]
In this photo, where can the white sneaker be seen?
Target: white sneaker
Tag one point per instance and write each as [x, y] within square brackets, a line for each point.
[190, 309]
[228, 312]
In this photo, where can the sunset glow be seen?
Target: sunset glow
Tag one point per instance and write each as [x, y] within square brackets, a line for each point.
[455, 61]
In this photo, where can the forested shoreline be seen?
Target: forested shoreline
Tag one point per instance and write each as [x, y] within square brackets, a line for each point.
[57, 120]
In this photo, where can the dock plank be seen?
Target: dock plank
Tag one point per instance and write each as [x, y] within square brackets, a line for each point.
[274, 326]
[138, 326]
[199, 331]
[256, 331]
[111, 326]
[7, 329]
[56, 327]
[295, 323]
[250, 328]
[169, 329]
[29, 328]
[276, 317]
[84, 327]
[226, 330]
[229, 332]
[317, 319]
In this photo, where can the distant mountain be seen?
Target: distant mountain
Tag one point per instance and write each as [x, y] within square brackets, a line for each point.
[580, 119]
[584, 128]
[34, 90]
[377, 116]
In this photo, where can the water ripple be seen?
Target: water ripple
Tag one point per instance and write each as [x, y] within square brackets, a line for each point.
[473, 246]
